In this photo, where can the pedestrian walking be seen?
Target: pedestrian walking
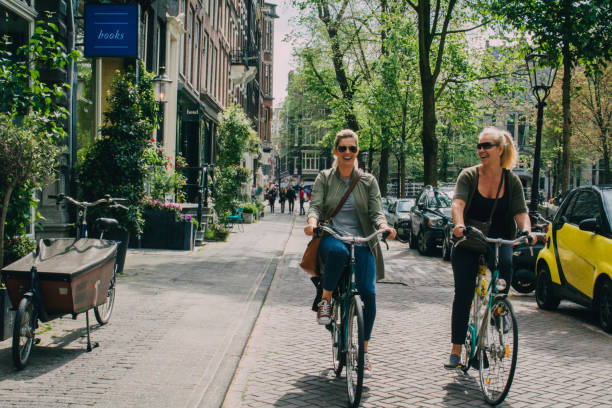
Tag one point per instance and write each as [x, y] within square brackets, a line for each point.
[302, 198]
[490, 197]
[360, 214]
[281, 198]
[272, 198]
[291, 198]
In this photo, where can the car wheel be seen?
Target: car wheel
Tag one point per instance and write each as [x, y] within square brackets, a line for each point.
[604, 303]
[422, 244]
[446, 250]
[545, 296]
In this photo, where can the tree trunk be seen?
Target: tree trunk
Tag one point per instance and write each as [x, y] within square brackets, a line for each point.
[5, 204]
[607, 176]
[370, 155]
[402, 177]
[567, 120]
[346, 89]
[383, 175]
[428, 134]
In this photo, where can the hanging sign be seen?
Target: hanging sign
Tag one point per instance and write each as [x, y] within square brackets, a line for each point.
[111, 31]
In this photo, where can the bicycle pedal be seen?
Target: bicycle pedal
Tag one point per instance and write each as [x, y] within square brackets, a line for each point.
[36, 341]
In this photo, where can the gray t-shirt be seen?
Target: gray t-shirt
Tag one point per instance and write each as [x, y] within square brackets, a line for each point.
[346, 220]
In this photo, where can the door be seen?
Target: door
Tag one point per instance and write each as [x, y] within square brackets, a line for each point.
[417, 213]
[576, 246]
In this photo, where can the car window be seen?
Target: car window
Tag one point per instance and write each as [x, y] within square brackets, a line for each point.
[607, 194]
[392, 207]
[423, 199]
[586, 206]
[404, 206]
[441, 201]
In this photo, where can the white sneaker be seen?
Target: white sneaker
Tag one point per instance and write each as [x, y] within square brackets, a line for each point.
[367, 366]
[324, 312]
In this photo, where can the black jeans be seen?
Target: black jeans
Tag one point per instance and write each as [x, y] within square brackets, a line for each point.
[291, 202]
[302, 211]
[465, 269]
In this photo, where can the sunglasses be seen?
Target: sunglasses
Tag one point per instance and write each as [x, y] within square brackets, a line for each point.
[486, 145]
[342, 149]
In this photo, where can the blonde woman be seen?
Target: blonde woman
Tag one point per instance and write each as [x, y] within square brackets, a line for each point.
[360, 215]
[474, 198]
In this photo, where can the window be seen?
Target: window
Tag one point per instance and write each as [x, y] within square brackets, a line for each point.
[16, 28]
[522, 130]
[204, 68]
[510, 124]
[196, 56]
[267, 89]
[587, 206]
[215, 67]
[268, 35]
[310, 161]
[266, 123]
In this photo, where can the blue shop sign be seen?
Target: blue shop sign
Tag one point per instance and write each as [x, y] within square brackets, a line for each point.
[111, 31]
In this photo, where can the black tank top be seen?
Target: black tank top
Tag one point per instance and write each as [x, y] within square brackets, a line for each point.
[480, 210]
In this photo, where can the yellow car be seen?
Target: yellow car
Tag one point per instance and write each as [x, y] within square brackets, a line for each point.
[576, 263]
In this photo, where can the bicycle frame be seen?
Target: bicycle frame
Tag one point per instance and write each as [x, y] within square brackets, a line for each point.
[348, 290]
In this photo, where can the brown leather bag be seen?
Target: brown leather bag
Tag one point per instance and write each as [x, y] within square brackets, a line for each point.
[310, 259]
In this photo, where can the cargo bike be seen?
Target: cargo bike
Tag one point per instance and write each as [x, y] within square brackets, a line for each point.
[62, 276]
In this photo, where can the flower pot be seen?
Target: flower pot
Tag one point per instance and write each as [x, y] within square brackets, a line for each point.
[248, 218]
[163, 231]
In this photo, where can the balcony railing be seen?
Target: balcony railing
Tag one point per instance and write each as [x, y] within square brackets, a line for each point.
[246, 56]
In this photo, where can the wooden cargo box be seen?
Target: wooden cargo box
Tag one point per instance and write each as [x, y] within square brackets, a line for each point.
[74, 274]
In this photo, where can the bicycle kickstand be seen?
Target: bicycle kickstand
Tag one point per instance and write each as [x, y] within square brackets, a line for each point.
[89, 344]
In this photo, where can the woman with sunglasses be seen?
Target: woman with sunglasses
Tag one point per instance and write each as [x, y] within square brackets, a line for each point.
[360, 215]
[474, 199]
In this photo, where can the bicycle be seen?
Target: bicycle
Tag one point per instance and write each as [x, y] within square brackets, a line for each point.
[492, 337]
[347, 326]
[62, 276]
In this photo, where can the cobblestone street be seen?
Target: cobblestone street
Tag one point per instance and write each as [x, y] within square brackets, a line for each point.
[565, 360]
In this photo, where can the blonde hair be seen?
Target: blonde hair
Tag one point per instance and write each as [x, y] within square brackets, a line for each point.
[509, 157]
[345, 134]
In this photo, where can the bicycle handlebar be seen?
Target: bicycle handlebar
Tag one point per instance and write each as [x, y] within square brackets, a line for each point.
[473, 232]
[350, 238]
[114, 202]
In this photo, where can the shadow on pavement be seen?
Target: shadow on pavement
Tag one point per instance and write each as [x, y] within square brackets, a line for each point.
[324, 390]
[43, 360]
[465, 391]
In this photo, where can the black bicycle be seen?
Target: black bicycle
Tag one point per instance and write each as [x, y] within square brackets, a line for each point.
[347, 326]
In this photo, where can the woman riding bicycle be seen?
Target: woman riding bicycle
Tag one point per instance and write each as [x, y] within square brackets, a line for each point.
[475, 196]
[360, 215]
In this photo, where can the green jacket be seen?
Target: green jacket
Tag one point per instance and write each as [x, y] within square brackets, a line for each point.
[327, 192]
[467, 183]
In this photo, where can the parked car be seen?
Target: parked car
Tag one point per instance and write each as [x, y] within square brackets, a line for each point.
[398, 216]
[575, 263]
[428, 218]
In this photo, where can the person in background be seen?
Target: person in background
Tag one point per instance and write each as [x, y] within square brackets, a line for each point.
[302, 199]
[291, 198]
[282, 196]
[272, 198]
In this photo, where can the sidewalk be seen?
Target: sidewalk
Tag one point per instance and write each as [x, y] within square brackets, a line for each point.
[177, 332]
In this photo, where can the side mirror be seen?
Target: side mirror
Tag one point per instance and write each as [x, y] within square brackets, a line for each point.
[590, 225]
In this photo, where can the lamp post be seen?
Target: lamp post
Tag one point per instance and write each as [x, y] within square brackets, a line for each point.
[542, 71]
[160, 82]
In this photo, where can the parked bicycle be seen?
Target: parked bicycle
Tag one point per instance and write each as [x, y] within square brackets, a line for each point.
[491, 345]
[63, 276]
[347, 325]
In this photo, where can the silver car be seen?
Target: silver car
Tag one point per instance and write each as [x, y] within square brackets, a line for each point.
[399, 212]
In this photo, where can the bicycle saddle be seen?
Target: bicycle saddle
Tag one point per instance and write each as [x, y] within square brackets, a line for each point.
[105, 223]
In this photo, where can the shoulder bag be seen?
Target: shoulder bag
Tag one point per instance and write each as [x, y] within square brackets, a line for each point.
[476, 245]
[310, 259]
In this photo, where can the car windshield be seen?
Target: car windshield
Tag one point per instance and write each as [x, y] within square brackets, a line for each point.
[404, 206]
[608, 200]
[441, 201]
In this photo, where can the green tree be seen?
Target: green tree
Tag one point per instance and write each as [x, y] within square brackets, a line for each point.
[115, 164]
[574, 30]
[27, 158]
[235, 138]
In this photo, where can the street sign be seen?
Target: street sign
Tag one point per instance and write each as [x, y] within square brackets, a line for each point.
[111, 30]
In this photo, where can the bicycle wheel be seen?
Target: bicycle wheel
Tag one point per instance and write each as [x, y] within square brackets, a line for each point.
[497, 356]
[354, 351]
[23, 333]
[467, 351]
[337, 343]
[103, 312]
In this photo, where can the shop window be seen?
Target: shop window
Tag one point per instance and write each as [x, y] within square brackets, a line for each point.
[16, 28]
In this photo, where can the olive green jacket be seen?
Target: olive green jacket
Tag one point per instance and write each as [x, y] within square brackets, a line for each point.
[327, 192]
[467, 183]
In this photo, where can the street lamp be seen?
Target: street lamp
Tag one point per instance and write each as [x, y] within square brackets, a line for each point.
[542, 70]
[160, 82]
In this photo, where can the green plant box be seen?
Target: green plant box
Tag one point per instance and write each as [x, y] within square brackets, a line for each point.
[163, 231]
[248, 218]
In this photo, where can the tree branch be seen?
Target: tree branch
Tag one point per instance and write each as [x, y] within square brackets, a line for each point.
[414, 6]
[321, 80]
[447, 18]
[463, 30]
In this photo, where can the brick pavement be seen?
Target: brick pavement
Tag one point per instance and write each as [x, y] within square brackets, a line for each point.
[177, 332]
[564, 358]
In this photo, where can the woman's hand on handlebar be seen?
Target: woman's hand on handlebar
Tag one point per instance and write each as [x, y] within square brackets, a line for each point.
[458, 230]
[309, 229]
[392, 231]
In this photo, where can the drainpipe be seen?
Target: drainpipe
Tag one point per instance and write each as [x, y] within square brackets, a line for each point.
[71, 187]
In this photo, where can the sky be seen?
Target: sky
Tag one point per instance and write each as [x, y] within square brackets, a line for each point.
[283, 59]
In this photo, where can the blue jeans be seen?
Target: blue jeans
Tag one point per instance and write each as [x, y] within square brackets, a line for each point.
[335, 255]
